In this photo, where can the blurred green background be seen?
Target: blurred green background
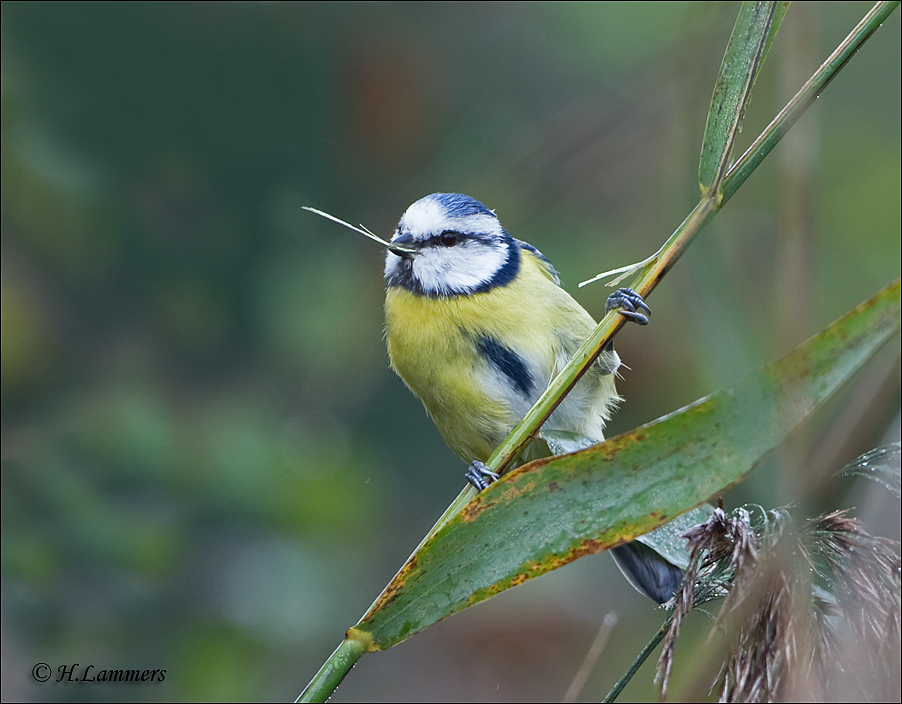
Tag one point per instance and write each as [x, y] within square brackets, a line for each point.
[207, 465]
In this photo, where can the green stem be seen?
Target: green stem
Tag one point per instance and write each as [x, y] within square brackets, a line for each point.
[637, 663]
[335, 668]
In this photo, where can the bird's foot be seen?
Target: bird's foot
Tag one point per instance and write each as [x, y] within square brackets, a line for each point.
[480, 476]
[630, 304]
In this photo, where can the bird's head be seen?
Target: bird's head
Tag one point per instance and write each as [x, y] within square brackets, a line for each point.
[448, 244]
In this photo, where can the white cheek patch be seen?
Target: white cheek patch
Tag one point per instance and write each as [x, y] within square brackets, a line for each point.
[392, 262]
[464, 267]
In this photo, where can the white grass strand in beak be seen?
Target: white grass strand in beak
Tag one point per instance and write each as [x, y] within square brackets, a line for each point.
[362, 230]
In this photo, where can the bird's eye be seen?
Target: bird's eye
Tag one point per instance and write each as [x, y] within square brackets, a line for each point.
[448, 238]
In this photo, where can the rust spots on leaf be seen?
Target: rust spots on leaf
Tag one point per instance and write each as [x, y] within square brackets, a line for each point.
[506, 490]
[587, 547]
[394, 588]
[519, 579]
[471, 511]
[533, 568]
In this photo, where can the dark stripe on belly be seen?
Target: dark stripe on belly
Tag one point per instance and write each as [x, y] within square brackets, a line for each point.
[508, 362]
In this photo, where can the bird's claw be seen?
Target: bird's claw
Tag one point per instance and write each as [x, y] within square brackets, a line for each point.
[480, 476]
[629, 302]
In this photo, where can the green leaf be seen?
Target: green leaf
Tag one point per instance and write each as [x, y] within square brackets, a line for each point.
[668, 540]
[550, 512]
[752, 35]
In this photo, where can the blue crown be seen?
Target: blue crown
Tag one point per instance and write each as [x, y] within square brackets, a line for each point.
[458, 205]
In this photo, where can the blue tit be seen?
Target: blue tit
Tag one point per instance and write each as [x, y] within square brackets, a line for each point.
[477, 325]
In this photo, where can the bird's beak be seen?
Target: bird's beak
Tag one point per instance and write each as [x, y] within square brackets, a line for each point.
[401, 246]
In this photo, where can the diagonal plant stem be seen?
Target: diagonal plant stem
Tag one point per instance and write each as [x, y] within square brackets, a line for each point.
[334, 669]
[639, 661]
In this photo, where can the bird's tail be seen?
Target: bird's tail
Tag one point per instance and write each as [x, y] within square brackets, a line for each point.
[648, 572]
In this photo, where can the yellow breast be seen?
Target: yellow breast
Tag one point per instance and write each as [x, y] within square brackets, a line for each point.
[433, 346]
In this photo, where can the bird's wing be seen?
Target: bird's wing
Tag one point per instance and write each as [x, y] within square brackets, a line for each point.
[546, 266]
